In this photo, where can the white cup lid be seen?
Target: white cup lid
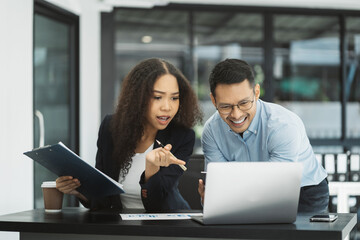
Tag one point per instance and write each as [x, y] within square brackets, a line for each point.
[50, 184]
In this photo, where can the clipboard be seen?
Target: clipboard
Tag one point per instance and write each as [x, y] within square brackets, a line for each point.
[62, 161]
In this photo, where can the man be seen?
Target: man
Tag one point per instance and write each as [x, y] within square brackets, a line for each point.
[247, 129]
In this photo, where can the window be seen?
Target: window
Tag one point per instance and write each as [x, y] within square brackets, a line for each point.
[226, 35]
[306, 70]
[352, 80]
[141, 34]
[296, 55]
[217, 36]
[56, 82]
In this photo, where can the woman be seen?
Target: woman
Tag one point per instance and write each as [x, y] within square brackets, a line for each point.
[156, 103]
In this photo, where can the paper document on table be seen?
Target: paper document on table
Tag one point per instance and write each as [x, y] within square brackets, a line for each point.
[158, 216]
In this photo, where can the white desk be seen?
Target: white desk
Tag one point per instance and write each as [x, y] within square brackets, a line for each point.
[343, 190]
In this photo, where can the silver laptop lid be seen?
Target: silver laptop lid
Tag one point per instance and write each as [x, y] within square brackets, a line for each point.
[252, 192]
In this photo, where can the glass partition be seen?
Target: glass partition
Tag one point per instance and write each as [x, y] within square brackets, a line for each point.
[55, 87]
[51, 95]
[218, 36]
[352, 81]
[306, 71]
[304, 48]
[141, 34]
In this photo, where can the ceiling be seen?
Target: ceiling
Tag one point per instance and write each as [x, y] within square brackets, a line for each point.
[171, 27]
[322, 4]
[168, 30]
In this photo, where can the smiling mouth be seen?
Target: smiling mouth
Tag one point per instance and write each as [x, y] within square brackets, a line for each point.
[239, 122]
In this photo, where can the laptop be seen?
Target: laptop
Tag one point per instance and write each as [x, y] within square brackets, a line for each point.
[251, 192]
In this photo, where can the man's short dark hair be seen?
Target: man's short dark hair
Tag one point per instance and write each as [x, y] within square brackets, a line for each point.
[230, 71]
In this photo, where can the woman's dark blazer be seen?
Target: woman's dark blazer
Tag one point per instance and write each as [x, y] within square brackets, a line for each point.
[161, 191]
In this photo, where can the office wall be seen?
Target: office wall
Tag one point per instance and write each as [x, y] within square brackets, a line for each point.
[16, 121]
[16, 95]
[16, 102]
[89, 78]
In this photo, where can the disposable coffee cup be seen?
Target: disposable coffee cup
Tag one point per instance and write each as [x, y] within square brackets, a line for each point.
[53, 198]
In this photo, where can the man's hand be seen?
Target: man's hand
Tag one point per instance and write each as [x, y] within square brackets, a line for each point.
[201, 190]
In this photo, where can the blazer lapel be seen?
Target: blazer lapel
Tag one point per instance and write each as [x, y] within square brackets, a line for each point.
[162, 137]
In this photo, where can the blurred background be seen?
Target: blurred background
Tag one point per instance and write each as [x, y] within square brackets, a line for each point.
[63, 61]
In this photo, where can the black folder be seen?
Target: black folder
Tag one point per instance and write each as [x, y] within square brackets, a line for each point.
[354, 167]
[342, 167]
[63, 162]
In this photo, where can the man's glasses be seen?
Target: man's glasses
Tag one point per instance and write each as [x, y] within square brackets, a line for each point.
[228, 108]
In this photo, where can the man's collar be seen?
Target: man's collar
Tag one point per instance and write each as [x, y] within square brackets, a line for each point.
[254, 125]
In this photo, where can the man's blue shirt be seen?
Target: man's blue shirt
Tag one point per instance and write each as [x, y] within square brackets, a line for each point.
[275, 134]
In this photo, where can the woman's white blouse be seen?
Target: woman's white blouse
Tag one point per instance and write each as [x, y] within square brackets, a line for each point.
[132, 196]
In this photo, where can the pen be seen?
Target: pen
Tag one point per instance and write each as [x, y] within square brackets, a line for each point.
[182, 166]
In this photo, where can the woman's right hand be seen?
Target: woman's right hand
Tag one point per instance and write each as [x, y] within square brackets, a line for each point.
[68, 185]
[159, 157]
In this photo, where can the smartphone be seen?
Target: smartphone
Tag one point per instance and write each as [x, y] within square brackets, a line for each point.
[324, 218]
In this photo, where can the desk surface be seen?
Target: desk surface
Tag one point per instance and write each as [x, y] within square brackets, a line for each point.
[83, 221]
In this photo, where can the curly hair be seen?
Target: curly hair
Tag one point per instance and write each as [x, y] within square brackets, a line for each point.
[127, 124]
